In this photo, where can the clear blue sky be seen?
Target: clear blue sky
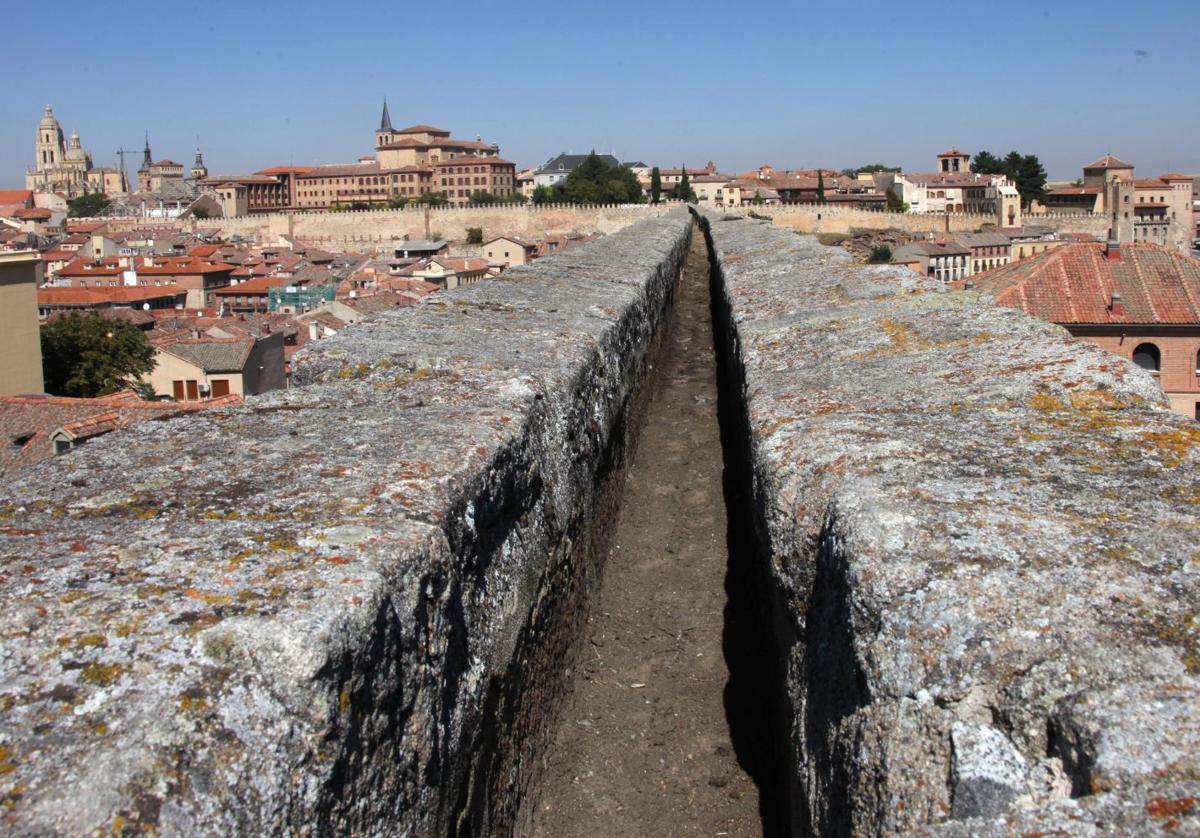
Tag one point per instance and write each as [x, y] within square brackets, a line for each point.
[795, 84]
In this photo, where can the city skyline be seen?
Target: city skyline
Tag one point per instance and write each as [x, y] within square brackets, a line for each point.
[676, 84]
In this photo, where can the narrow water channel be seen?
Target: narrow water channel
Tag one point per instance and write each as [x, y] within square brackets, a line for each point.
[666, 728]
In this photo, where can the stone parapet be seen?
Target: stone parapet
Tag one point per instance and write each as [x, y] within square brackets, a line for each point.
[978, 539]
[340, 608]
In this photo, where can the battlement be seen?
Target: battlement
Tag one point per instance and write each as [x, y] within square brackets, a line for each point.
[347, 606]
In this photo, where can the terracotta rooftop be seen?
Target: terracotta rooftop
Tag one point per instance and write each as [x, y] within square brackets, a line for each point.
[101, 295]
[259, 285]
[954, 152]
[1109, 162]
[423, 129]
[1075, 283]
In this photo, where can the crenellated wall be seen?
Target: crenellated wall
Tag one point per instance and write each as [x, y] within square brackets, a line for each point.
[346, 607]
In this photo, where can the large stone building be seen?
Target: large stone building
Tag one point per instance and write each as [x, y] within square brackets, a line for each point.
[1154, 210]
[409, 163]
[65, 166]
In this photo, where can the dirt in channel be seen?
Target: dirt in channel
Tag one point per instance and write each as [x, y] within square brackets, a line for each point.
[645, 744]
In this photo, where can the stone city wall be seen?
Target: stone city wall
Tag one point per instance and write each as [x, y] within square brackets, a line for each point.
[977, 537]
[826, 218]
[384, 225]
[340, 608]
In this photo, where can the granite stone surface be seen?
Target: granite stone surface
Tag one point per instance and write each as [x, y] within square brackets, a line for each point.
[983, 552]
[331, 609]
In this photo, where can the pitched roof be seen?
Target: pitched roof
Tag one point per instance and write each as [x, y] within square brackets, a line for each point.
[15, 196]
[213, 355]
[1109, 162]
[1075, 283]
[104, 295]
[567, 162]
[954, 152]
[259, 285]
[423, 129]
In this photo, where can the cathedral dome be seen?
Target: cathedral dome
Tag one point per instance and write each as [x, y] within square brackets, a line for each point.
[48, 120]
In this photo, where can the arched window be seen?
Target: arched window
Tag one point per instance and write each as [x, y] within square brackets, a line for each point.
[1198, 362]
[1147, 356]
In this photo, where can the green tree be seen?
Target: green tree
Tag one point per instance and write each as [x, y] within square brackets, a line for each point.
[757, 200]
[870, 168]
[545, 195]
[894, 202]
[986, 163]
[880, 253]
[820, 186]
[683, 189]
[1030, 178]
[433, 199]
[484, 199]
[595, 182]
[91, 204]
[86, 355]
[655, 185]
[474, 235]
[199, 212]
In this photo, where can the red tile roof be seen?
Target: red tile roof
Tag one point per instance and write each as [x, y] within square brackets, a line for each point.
[163, 266]
[422, 129]
[284, 170]
[1075, 283]
[954, 152]
[106, 294]
[1175, 176]
[1109, 162]
[15, 196]
[35, 214]
[259, 285]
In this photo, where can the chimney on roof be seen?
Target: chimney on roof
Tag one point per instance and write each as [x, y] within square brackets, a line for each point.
[1112, 251]
[1115, 306]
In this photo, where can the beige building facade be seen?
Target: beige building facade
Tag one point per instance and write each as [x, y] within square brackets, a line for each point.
[20, 338]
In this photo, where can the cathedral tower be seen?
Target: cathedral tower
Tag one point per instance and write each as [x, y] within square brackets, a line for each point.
[51, 147]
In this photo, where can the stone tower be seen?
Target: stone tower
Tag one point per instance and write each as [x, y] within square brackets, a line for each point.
[386, 133]
[199, 170]
[144, 172]
[51, 147]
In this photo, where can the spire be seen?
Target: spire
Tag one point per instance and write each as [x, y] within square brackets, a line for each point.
[385, 124]
[147, 162]
[198, 163]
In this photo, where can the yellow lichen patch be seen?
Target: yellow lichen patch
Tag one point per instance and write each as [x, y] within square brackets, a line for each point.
[344, 700]
[191, 701]
[1094, 400]
[90, 640]
[6, 764]
[1175, 444]
[149, 589]
[221, 515]
[71, 596]
[1045, 403]
[102, 674]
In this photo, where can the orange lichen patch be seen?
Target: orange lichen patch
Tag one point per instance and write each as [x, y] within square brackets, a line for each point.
[336, 471]
[102, 674]
[211, 599]
[339, 559]
[1160, 807]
